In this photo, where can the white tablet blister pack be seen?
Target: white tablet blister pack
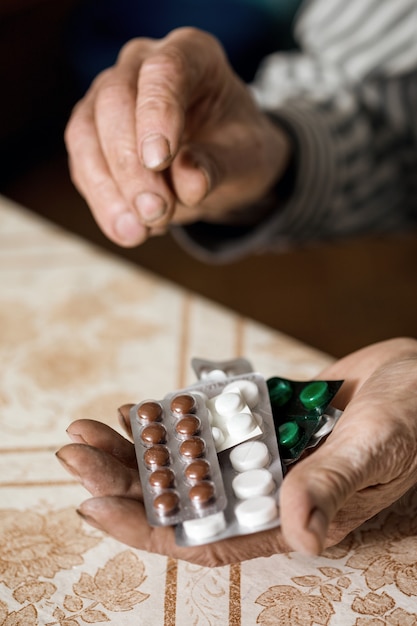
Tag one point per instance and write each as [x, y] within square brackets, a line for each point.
[208, 456]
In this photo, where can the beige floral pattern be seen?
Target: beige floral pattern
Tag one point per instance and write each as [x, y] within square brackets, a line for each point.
[379, 609]
[396, 562]
[34, 545]
[113, 588]
[290, 607]
[386, 552]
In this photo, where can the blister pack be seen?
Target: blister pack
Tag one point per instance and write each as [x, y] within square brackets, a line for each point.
[208, 459]
[211, 456]
[244, 434]
[177, 459]
[302, 413]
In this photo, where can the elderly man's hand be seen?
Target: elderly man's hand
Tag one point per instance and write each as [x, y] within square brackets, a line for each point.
[367, 463]
[171, 134]
[105, 463]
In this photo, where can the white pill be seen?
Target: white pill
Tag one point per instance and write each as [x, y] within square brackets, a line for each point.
[256, 511]
[218, 436]
[249, 455]
[257, 482]
[241, 424]
[205, 527]
[248, 389]
[215, 375]
[228, 404]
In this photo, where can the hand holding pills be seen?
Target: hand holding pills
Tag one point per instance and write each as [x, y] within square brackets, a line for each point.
[170, 133]
[370, 459]
[368, 462]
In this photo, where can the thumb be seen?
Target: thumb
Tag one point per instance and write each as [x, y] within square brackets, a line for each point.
[317, 488]
[372, 446]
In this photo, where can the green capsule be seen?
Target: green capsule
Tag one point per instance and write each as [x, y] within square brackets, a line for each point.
[280, 391]
[314, 394]
[288, 434]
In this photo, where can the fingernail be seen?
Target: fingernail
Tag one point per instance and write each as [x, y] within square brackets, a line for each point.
[150, 206]
[67, 466]
[129, 230]
[155, 151]
[87, 518]
[318, 527]
[75, 437]
[124, 417]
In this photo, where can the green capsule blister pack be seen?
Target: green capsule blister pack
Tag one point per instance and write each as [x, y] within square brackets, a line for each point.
[299, 411]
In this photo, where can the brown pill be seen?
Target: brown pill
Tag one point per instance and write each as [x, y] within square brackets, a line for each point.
[197, 470]
[183, 403]
[202, 493]
[192, 448]
[157, 456]
[152, 434]
[149, 411]
[161, 479]
[166, 503]
[188, 426]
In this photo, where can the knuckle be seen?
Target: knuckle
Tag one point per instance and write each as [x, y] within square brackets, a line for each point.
[75, 127]
[195, 36]
[169, 62]
[334, 485]
[126, 160]
[133, 49]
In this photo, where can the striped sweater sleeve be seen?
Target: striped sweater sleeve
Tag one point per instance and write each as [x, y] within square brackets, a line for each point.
[348, 97]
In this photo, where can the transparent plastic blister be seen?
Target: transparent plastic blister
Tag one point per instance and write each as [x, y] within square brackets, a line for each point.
[302, 413]
[211, 456]
[220, 370]
[178, 464]
[251, 466]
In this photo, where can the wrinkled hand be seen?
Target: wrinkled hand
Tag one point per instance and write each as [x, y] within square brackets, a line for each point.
[170, 133]
[367, 463]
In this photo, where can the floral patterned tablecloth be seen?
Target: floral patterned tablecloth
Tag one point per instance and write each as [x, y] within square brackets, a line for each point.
[81, 333]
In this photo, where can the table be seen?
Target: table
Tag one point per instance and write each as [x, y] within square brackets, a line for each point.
[82, 332]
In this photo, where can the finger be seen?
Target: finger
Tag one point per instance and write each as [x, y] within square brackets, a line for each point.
[91, 174]
[180, 71]
[223, 175]
[214, 173]
[125, 520]
[124, 418]
[99, 435]
[311, 494]
[99, 472]
[193, 175]
[145, 191]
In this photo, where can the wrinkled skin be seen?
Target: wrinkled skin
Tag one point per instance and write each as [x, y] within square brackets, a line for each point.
[171, 134]
[367, 463]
